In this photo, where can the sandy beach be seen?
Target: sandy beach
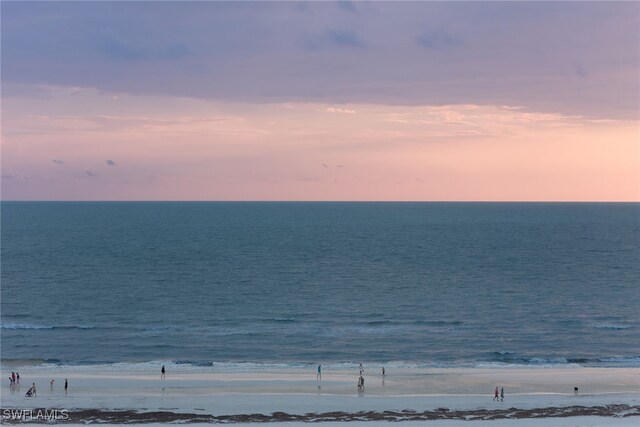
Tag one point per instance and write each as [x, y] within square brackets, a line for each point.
[290, 393]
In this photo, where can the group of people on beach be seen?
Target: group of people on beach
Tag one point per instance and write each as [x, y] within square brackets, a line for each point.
[14, 380]
[14, 385]
[498, 395]
[360, 378]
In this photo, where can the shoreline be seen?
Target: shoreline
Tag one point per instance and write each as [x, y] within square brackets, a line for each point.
[396, 382]
[294, 395]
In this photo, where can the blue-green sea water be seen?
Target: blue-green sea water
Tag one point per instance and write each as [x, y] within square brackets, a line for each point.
[428, 284]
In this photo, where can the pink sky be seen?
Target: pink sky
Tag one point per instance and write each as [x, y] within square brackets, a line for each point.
[101, 146]
[500, 101]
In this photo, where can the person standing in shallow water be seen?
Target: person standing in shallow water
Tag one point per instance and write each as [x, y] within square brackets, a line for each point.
[162, 373]
[501, 394]
[319, 375]
[66, 386]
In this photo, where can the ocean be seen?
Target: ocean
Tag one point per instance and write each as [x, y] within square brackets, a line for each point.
[238, 285]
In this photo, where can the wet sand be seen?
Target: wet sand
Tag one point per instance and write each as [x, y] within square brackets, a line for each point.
[296, 396]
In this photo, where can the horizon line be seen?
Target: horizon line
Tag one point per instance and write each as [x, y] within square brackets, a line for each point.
[316, 201]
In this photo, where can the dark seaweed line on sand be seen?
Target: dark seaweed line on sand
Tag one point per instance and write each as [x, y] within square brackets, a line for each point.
[91, 416]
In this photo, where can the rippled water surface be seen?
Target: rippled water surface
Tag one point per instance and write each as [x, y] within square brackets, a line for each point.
[434, 284]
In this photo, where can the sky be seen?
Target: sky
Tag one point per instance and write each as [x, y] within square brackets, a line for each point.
[464, 101]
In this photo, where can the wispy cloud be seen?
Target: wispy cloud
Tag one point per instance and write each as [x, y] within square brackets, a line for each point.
[13, 175]
[340, 110]
[346, 38]
[58, 162]
[310, 178]
[347, 5]
[59, 124]
[438, 40]
[331, 39]
[124, 50]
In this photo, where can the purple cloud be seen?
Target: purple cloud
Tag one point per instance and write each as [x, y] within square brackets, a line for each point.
[438, 40]
[504, 53]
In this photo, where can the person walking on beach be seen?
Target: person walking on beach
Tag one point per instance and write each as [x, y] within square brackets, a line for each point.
[18, 378]
[501, 394]
[496, 394]
[51, 384]
[162, 373]
[66, 386]
[361, 370]
[319, 375]
[383, 373]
